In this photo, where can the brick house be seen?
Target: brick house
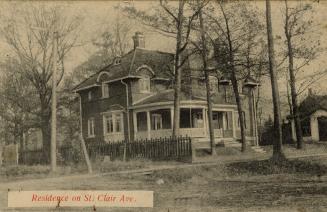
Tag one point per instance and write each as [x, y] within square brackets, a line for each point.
[132, 98]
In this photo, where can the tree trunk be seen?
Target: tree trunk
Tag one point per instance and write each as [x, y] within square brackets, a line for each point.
[46, 137]
[239, 108]
[206, 75]
[177, 82]
[295, 109]
[234, 80]
[277, 147]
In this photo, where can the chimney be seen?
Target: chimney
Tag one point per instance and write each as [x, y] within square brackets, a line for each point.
[139, 41]
[310, 92]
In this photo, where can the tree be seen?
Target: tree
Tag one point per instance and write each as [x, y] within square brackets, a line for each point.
[236, 56]
[112, 42]
[30, 37]
[297, 27]
[204, 54]
[277, 146]
[17, 116]
[173, 22]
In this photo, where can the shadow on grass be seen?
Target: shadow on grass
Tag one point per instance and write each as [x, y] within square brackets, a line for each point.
[267, 167]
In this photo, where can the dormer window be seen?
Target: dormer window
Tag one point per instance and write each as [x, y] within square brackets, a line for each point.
[105, 90]
[89, 95]
[144, 85]
[117, 61]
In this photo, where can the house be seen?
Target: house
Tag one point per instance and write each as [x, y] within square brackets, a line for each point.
[132, 98]
[313, 115]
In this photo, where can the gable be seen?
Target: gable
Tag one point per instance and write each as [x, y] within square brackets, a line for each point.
[136, 63]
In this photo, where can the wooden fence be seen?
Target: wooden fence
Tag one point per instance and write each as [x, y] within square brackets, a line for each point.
[179, 148]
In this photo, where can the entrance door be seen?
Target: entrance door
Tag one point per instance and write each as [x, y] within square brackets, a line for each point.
[322, 125]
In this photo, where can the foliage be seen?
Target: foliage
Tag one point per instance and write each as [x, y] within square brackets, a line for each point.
[31, 36]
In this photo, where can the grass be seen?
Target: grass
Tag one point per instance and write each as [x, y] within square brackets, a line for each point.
[246, 186]
[308, 148]
[268, 167]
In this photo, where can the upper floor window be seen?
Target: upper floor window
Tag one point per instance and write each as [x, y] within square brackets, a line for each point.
[90, 127]
[144, 85]
[117, 61]
[240, 88]
[90, 95]
[113, 123]
[213, 83]
[105, 90]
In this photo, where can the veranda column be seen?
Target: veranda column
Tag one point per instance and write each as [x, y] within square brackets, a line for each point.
[135, 125]
[205, 122]
[293, 130]
[148, 121]
[314, 128]
[171, 117]
[233, 124]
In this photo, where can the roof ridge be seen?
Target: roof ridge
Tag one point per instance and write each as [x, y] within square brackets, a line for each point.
[153, 50]
[84, 81]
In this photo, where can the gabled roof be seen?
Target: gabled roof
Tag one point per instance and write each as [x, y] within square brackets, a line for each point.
[159, 62]
[312, 103]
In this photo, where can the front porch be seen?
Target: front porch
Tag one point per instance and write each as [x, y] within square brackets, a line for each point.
[157, 123]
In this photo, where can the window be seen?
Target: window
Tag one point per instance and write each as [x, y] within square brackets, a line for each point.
[156, 120]
[213, 83]
[197, 119]
[217, 120]
[105, 90]
[89, 95]
[144, 85]
[113, 123]
[240, 88]
[239, 120]
[227, 122]
[141, 120]
[117, 61]
[90, 127]
[201, 83]
[191, 118]
[109, 124]
[118, 122]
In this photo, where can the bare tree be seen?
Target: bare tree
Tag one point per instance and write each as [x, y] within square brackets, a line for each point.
[300, 52]
[30, 37]
[173, 22]
[236, 56]
[203, 49]
[277, 147]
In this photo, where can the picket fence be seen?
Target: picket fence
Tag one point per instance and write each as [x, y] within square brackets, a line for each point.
[169, 148]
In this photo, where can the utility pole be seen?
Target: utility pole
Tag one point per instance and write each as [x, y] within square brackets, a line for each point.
[54, 104]
[277, 146]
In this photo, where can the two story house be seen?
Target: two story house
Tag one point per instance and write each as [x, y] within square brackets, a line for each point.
[133, 98]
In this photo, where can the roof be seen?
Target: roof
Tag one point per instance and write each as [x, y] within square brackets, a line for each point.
[168, 96]
[312, 103]
[158, 61]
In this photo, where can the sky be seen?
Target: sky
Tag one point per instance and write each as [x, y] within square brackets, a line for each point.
[101, 14]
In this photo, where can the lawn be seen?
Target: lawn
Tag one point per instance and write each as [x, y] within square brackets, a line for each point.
[294, 185]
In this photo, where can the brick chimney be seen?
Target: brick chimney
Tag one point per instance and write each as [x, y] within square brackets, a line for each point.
[139, 41]
[310, 92]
